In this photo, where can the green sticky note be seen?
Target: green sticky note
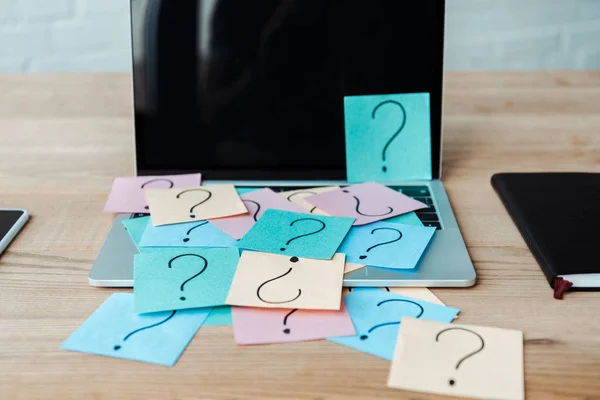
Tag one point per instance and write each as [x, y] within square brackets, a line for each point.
[406, 219]
[388, 137]
[183, 278]
[219, 316]
[136, 227]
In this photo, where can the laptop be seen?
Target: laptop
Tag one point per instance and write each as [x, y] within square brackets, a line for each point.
[251, 93]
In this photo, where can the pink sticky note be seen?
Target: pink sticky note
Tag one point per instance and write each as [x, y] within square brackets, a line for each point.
[256, 202]
[260, 326]
[127, 194]
[367, 202]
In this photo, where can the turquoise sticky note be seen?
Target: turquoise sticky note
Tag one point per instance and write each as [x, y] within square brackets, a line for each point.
[180, 279]
[296, 234]
[114, 330]
[406, 219]
[244, 190]
[189, 234]
[136, 227]
[219, 316]
[377, 314]
[385, 244]
[388, 137]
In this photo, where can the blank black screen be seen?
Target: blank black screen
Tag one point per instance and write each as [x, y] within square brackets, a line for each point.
[241, 89]
[7, 220]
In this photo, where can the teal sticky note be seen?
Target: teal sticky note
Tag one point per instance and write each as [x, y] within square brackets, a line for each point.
[188, 234]
[114, 330]
[406, 219]
[377, 314]
[296, 234]
[219, 316]
[136, 227]
[180, 279]
[388, 137]
[244, 190]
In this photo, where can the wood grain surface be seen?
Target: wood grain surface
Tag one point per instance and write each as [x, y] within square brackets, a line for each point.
[63, 138]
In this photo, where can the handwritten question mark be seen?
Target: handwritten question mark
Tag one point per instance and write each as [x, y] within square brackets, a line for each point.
[182, 298]
[306, 234]
[395, 135]
[452, 381]
[382, 243]
[294, 260]
[287, 330]
[257, 208]
[187, 239]
[307, 192]
[391, 210]
[197, 204]
[171, 184]
[117, 347]
[366, 336]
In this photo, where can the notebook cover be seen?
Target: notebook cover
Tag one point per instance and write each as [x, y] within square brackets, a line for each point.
[558, 215]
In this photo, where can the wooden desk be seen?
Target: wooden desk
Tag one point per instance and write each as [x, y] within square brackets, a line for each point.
[64, 138]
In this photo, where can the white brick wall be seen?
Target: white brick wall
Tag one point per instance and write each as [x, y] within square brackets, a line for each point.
[93, 35]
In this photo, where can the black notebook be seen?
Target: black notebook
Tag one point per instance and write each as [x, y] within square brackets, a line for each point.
[558, 215]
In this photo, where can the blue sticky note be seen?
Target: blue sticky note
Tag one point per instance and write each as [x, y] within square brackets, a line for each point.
[219, 316]
[180, 279]
[136, 227]
[385, 244]
[376, 315]
[388, 137]
[244, 190]
[406, 219]
[114, 330]
[189, 234]
[296, 234]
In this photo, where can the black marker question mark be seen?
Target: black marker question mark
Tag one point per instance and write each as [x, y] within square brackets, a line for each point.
[187, 239]
[366, 336]
[391, 210]
[451, 381]
[294, 260]
[197, 204]
[158, 180]
[382, 243]
[395, 135]
[118, 346]
[302, 192]
[306, 234]
[287, 330]
[257, 209]
[182, 298]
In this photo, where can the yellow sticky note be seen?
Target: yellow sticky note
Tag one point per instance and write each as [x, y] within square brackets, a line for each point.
[276, 281]
[172, 206]
[297, 197]
[351, 267]
[458, 360]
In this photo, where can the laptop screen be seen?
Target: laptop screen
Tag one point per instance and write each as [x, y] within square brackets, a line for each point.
[253, 90]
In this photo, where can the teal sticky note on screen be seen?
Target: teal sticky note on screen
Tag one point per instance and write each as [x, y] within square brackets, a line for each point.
[114, 330]
[183, 278]
[219, 316]
[296, 234]
[388, 137]
[377, 314]
[406, 219]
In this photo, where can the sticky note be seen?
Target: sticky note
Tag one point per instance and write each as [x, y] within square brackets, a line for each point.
[244, 190]
[127, 194]
[297, 197]
[388, 137]
[351, 267]
[419, 293]
[275, 281]
[388, 245]
[295, 234]
[376, 315]
[219, 316]
[114, 330]
[459, 360]
[135, 228]
[406, 219]
[179, 279]
[257, 202]
[172, 206]
[260, 326]
[189, 234]
[366, 202]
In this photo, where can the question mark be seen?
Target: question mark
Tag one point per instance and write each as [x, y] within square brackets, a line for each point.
[382, 243]
[365, 337]
[182, 298]
[197, 204]
[303, 192]
[187, 239]
[257, 209]
[306, 234]
[384, 168]
[157, 180]
[287, 330]
[117, 347]
[391, 210]
[451, 382]
[294, 260]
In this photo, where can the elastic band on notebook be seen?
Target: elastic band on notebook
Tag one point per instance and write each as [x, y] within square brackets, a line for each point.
[560, 287]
